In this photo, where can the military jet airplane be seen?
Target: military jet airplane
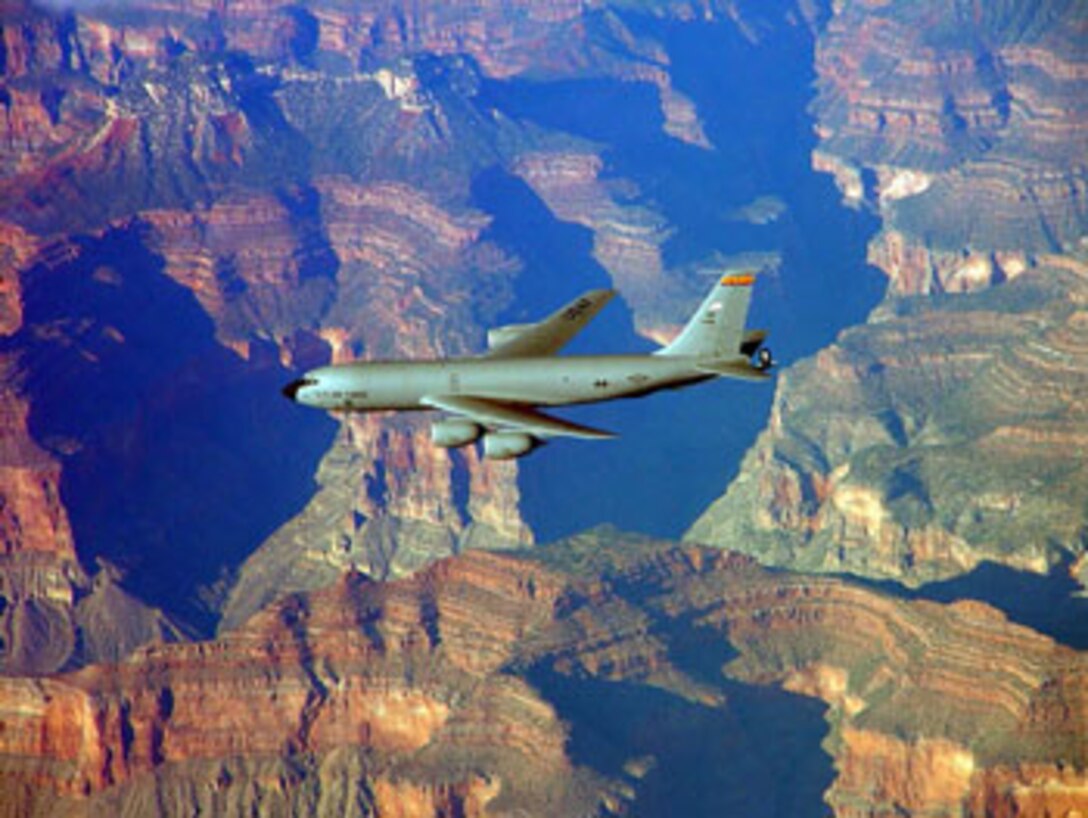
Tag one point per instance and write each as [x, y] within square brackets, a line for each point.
[496, 396]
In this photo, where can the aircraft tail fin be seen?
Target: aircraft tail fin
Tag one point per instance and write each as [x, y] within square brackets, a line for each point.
[716, 330]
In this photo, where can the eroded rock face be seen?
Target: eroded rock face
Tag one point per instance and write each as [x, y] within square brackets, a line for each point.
[627, 238]
[282, 186]
[935, 437]
[967, 133]
[399, 681]
[413, 695]
[52, 614]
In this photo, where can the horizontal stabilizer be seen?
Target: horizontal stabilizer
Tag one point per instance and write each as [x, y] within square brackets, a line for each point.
[751, 341]
[490, 412]
[733, 368]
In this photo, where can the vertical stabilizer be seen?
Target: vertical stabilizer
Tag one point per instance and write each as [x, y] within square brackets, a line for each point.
[717, 328]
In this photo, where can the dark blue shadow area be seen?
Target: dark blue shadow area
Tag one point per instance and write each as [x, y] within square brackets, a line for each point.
[758, 755]
[1052, 604]
[675, 451]
[557, 255]
[678, 451]
[178, 456]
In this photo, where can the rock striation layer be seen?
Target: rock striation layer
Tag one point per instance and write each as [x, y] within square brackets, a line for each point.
[940, 434]
[964, 128]
[443, 692]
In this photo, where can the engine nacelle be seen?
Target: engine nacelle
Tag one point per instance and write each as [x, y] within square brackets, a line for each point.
[507, 445]
[449, 434]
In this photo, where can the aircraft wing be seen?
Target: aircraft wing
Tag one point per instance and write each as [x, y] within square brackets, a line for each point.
[548, 336]
[489, 412]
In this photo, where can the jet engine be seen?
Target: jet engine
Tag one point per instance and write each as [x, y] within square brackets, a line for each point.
[507, 445]
[449, 434]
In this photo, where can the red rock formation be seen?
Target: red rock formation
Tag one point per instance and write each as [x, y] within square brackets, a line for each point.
[390, 255]
[17, 249]
[245, 260]
[873, 458]
[51, 612]
[928, 703]
[32, 518]
[971, 133]
[39, 573]
[393, 669]
[932, 709]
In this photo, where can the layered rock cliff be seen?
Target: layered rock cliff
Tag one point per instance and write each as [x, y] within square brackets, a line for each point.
[284, 185]
[942, 433]
[198, 203]
[964, 125]
[464, 689]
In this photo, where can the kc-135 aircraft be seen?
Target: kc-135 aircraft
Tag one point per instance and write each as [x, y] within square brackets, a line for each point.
[496, 396]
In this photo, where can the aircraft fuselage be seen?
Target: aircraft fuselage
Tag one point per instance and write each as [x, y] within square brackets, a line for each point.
[544, 381]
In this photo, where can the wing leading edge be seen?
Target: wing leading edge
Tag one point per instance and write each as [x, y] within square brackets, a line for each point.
[548, 336]
[513, 416]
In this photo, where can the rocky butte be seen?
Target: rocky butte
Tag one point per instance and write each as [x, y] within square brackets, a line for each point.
[197, 201]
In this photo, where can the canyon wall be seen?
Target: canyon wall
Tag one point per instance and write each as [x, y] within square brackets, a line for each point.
[200, 201]
[939, 435]
[945, 432]
[964, 127]
[446, 691]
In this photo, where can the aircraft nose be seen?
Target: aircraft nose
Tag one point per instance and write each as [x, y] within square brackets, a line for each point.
[291, 390]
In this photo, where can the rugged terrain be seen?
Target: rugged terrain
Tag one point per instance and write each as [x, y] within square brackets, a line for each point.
[946, 431]
[943, 433]
[213, 601]
[194, 200]
[196, 206]
[604, 675]
[964, 124]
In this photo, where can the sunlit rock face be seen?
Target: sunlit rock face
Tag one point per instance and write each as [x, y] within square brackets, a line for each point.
[198, 203]
[268, 188]
[461, 688]
[965, 128]
[939, 435]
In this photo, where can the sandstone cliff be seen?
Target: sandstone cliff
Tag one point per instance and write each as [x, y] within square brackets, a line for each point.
[285, 185]
[462, 688]
[964, 127]
[940, 434]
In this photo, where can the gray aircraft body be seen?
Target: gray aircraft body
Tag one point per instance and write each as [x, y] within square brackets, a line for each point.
[496, 396]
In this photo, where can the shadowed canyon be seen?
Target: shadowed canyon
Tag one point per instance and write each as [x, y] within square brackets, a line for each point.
[858, 590]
